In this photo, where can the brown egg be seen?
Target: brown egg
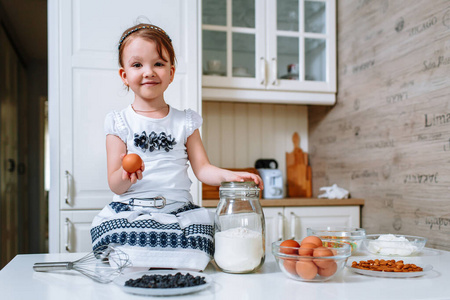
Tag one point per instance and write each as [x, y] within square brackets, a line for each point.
[323, 262]
[287, 247]
[131, 162]
[289, 265]
[329, 270]
[312, 240]
[322, 251]
[306, 249]
[306, 269]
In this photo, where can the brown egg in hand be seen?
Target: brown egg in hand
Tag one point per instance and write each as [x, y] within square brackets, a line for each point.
[131, 162]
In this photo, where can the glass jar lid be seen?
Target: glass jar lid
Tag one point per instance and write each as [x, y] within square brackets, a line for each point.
[238, 185]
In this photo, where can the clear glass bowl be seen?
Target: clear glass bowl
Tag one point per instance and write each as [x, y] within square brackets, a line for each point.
[348, 235]
[303, 268]
[394, 244]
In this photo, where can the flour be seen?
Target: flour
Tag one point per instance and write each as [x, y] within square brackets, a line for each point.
[238, 249]
[389, 244]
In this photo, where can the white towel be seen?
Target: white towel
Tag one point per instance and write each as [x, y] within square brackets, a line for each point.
[334, 192]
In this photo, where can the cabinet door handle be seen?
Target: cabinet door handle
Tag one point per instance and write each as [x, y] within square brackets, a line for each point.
[67, 245]
[280, 226]
[12, 165]
[292, 225]
[274, 71]
[66, 199]
[262, 69]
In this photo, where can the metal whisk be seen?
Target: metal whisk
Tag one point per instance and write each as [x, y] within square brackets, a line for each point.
[101, 265]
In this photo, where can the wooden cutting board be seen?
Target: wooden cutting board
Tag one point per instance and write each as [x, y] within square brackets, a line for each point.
[298, 171]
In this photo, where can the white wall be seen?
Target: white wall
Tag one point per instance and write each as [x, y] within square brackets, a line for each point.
[237, 134]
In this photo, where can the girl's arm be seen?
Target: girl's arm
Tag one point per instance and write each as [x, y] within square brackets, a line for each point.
[119, 180]
[209, 174]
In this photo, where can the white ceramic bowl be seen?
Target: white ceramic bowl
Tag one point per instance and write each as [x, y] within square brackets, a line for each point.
[394, 244]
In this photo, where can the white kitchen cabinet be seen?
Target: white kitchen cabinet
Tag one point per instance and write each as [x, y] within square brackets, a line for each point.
[291, 222]
[84, 86]
[75, 226]
[281, 223]
[275, 226]
[281, 51]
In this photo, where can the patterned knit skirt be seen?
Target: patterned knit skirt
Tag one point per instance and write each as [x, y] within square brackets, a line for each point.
[181, 238]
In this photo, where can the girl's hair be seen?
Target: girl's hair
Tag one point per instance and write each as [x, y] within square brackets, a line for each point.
[151, 33]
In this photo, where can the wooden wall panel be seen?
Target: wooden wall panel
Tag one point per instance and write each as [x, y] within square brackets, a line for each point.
[241, 134]
[235, 135]
[387, 139]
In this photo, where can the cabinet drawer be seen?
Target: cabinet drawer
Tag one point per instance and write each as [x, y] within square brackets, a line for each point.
[301, 218]
[291, 222]
[75, 229]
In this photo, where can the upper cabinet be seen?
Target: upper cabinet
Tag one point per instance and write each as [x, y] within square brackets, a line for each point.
[280, 51]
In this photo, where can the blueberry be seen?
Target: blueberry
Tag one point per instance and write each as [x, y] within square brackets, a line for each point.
[166, 281]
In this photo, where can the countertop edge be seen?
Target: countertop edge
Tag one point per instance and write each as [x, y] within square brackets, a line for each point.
[289, 202]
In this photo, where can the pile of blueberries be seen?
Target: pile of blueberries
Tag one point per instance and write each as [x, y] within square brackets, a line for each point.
[166, 281]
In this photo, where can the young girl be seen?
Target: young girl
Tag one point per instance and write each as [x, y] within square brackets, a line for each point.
[152, 217]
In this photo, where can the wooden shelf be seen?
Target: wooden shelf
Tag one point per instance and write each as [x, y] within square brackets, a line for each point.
[296, 202]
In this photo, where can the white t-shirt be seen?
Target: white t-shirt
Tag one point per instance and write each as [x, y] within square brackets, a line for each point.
[161, 143]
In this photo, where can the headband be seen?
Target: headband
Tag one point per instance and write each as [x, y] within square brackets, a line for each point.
[139, 28]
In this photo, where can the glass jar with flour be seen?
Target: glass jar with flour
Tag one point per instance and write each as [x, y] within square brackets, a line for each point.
[239, 228]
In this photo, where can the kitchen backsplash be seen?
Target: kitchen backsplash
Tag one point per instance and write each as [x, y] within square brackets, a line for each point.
[235, 135]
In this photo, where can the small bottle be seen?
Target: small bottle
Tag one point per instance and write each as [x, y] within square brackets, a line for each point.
[239, 228]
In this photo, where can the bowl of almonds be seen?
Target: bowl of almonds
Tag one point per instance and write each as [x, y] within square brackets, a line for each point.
[386, 265]
[388, 268]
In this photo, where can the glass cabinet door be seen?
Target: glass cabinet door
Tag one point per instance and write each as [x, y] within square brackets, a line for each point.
[315, 42]
[302, 50]
[230, 40]
[285, 45]
[214, 41]
[287, 40]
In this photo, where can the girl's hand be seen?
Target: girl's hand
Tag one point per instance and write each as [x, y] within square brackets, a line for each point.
[245, 176]
[132, 177]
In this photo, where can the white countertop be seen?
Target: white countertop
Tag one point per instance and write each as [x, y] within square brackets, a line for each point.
[19, 281]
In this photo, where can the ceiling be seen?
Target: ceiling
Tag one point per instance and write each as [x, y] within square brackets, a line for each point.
[26, 22]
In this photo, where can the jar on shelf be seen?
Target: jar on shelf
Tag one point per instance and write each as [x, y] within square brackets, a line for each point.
[239, 228]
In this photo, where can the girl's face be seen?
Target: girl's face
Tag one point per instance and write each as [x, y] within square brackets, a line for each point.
[147, 74]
